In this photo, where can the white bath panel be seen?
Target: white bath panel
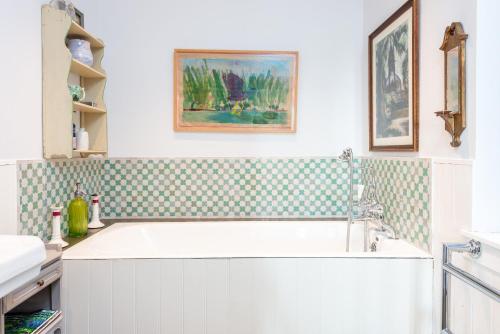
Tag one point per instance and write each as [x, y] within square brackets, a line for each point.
[248, 296]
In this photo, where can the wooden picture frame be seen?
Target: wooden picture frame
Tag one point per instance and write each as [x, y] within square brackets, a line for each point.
[235, 91]
[393, 59]
[454, 113]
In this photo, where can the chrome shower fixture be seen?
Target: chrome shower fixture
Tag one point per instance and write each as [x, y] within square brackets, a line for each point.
[346, 155]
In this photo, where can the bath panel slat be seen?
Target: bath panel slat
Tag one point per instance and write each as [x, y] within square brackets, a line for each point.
[171, 296]
[308, 296]
[147, 296]
[339, 312]
[217, 298]
[373, 297]
[100, 279]
[194, 321]
[77, 308]
[123, 310]
[283, 289]
[263, 296]
[241, 296]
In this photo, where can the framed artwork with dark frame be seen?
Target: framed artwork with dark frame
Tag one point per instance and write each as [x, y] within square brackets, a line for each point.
[393, 82]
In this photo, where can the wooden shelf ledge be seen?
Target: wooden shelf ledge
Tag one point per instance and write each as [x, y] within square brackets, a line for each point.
[86, 153]
[75, 30]
[85, 71]
[81, 107]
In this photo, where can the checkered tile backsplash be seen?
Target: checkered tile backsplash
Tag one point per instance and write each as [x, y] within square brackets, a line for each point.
[42, 185]
[404, 189]
[220, 187]
[228, 187]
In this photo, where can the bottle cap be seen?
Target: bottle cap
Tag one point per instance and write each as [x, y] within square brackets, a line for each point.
[79, 192]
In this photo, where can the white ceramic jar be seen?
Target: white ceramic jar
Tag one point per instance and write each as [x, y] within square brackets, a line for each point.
[80, 50]
[82, 140]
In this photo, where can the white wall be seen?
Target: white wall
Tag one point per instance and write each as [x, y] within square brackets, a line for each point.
[140, 40]
[486, 168]
[435, 15]
[20, 80]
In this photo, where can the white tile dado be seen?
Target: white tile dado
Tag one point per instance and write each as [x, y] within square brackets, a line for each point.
[471, 311]
[8, 197]
[248, 296]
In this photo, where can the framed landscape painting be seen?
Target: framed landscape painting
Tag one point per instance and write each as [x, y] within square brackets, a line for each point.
[393, 82]
[235, 91]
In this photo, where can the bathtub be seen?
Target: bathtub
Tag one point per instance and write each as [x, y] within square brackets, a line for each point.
[244, 277]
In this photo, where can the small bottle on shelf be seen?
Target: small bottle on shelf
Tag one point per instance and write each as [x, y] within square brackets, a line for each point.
[74, 137]
[82, 140]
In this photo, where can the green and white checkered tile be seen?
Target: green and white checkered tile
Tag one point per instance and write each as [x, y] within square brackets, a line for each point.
[404, 187]
[53, 182]
[225, 187]
[31, 198]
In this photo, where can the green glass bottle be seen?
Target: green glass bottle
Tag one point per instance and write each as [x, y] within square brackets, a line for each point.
[78, 213]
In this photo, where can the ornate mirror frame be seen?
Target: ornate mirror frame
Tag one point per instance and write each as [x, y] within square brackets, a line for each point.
[454, 113]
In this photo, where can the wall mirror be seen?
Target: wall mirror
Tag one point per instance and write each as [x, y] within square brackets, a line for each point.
[454, 113]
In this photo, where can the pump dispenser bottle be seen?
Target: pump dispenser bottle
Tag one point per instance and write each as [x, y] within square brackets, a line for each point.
[95, 222]
[78, 213]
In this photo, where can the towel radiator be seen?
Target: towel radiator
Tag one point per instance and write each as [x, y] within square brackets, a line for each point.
[473, 248]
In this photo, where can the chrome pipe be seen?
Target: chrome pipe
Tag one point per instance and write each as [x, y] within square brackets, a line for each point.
[473, 282]
[351, 204]
[347, 156]
[473, 248]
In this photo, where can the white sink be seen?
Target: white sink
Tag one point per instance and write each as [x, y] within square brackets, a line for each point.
[21, 258]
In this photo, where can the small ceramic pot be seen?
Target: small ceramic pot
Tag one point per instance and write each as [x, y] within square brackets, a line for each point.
[80, 50]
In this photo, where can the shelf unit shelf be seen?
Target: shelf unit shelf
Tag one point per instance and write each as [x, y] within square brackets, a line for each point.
[77, 106]
[85, 71]
[86, 153]
[75, 30]
[60, 69]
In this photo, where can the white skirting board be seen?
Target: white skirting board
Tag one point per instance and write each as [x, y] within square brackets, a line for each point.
[248, 296]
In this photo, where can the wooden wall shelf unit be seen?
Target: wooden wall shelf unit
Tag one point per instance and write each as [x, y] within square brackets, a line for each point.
[59, 68]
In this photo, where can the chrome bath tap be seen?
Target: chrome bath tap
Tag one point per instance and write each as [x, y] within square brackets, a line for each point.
[372, 210]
